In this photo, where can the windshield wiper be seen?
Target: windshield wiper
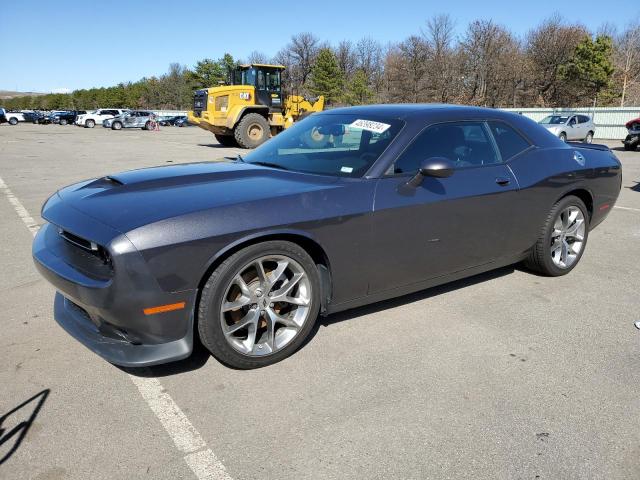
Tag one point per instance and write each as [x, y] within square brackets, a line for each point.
[237, 158]
[272, 165]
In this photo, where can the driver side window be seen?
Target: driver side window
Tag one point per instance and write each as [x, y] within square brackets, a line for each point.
[466, 144]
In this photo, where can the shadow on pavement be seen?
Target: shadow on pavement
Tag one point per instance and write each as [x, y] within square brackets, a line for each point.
[406, 299]
[201, 355]
[34, 403]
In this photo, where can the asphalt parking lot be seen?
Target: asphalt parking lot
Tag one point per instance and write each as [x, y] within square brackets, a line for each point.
[506, 375]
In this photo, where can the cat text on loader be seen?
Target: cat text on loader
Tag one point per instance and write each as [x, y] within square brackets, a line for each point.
[250, 109]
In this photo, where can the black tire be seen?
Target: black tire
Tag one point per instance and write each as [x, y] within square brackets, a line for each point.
[563, 137]
[630, 147]
[226, 140]
[13, 121]
[116, 126]
[252, 131]
[63, 121]
[90, 123]
[146, 125]
[209, 324]
[539, 258]
[589, 138]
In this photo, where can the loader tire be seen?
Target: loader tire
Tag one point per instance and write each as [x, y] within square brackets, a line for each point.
[252, 131]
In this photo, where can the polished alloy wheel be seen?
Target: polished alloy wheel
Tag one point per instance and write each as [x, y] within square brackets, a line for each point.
[265, 305]
[567, 237]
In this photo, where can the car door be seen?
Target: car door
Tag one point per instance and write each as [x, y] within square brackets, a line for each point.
[573, 128]
[131, 120]
[445, 224]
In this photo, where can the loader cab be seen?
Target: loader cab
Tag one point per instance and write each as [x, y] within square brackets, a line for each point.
[265, 79]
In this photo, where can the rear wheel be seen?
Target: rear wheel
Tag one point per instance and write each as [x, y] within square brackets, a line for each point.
[90, 123]
[225, 140]
[588, 138]
[252, 131]
[259, 305]
[562, 239]
[563, 137]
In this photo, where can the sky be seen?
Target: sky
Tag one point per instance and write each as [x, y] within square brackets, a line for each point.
[63, 45]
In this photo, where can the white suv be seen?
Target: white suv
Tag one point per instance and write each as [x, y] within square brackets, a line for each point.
[90, 119]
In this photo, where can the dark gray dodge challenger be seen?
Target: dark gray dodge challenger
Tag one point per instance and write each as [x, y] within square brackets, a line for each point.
[345, 208]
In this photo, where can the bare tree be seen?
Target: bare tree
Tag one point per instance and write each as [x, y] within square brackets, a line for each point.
[370, 59]
[347, 59]
[257, 57]
[303, 49]
[486, 49]
[627, 59]
[548, 47]
[438, 37]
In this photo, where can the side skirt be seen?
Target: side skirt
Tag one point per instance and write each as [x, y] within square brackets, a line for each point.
[416, 287]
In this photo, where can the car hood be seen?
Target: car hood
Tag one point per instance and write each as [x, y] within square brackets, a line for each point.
[129, 200]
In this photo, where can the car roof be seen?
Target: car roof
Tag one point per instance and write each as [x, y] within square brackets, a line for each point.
[421, 110]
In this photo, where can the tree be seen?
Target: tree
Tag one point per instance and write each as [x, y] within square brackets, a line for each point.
[257, 57]
[357, 89]
[346, 57]
[208, 73]
[627, 60]
[547, 48]
[591, 66]
[326, 77]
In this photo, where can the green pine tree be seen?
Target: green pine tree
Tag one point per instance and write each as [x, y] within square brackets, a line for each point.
[326, 76]
[357, 89]
[591, 67]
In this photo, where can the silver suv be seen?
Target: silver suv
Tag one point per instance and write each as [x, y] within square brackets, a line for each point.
[133, 119]
[568, 126]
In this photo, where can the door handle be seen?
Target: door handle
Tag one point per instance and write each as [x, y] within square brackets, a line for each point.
[502, 181]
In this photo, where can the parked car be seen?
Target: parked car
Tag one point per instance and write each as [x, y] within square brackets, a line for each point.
[632, 140]
[31, 116]
[570, 127]
[51, 117]
[15, 117]
[350, 206]
[171, 121]
[64, 118]
[3, 116]
[133, 119]
[90, 119]
[181, 121]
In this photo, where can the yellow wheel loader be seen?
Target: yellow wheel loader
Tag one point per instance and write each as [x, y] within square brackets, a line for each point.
[250, 109]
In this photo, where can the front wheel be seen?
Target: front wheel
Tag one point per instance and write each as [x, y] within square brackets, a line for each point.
[562, 239]
[563, 137]
[90, 123]
[13, 121]
[252, 131]
[259, 305]
[116, 125]
[63, 121]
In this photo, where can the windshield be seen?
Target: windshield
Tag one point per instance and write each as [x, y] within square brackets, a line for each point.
[554, 120]
[329, 144]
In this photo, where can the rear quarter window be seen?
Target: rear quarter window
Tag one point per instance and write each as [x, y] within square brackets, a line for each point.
[509, 141]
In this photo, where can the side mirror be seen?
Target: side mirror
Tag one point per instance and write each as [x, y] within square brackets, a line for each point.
[438, 167]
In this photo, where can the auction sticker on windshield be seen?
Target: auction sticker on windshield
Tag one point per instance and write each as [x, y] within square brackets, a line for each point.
[376, 127]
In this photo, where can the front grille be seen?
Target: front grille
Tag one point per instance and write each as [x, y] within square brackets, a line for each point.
[199, 102]
[89, 251]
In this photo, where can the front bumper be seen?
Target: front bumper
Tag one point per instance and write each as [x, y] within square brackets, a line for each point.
[77, 323]
[105, 311]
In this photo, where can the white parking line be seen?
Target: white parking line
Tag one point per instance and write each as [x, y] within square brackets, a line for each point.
[200, 459]
[627, 208]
